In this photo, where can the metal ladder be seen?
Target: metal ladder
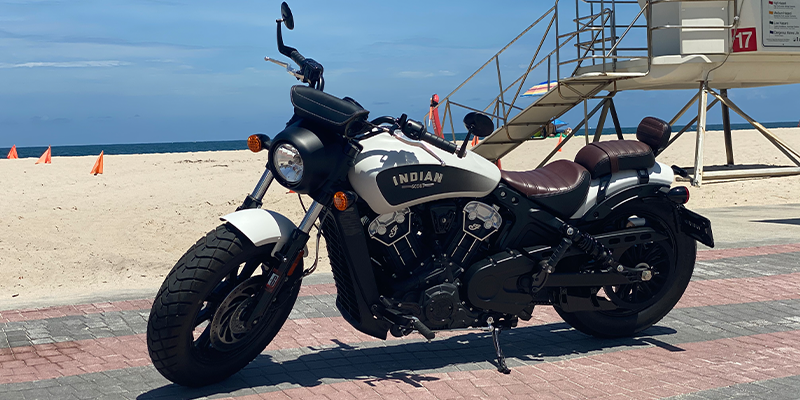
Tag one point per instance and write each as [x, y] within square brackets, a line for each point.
[596, 42]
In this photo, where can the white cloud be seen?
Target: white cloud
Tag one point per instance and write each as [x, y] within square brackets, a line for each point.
[68, 64]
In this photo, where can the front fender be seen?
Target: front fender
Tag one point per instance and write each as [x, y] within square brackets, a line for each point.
[263, 227]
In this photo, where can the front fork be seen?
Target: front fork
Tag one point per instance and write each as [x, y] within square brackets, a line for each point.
[253, 200]
[289, 255]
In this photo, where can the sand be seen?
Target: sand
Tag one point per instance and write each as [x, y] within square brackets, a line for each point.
[69, 235]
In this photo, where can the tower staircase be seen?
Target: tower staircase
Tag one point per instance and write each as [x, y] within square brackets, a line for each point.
[590, 57]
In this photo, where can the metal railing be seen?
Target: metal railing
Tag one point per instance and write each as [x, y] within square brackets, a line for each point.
[595, 40]
[501, 109]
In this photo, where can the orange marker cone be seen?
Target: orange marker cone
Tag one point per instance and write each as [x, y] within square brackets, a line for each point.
[13, 153]
[498, 164]
[474, 141]
[559, 141]
[98, 165]
[45, 158]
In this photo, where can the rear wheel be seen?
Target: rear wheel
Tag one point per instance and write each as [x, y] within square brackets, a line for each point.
[642, 304]
[197, 332]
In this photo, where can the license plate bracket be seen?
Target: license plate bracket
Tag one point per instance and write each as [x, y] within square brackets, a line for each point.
[697, 226]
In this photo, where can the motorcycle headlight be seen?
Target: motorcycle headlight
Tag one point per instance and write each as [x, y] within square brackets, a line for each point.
[288, 163]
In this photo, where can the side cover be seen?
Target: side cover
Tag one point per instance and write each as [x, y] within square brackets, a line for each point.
[262, 226]
[391, 175]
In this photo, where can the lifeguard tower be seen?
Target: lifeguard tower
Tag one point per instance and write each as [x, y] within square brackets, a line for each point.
[708, 45]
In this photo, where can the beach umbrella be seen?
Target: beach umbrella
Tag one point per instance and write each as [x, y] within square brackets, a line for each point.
[559, 123]
[539, 89]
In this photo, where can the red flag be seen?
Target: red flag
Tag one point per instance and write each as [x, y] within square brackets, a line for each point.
[434, 116]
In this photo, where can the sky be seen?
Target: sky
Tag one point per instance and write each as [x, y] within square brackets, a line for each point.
[137, 71]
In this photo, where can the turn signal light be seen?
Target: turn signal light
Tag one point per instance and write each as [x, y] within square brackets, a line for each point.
[258, 142]
[342, 200]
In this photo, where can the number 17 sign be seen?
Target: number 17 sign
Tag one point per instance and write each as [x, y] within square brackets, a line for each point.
[744, 39]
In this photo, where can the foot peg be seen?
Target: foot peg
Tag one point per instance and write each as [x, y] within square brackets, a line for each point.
[402, 324]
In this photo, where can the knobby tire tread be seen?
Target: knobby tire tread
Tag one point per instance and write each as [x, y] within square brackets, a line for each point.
[179, 294]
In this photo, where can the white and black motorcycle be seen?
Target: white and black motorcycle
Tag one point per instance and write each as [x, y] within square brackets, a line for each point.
[424, 236]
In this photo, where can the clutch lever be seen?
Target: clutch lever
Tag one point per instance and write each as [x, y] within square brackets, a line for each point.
[288, 67]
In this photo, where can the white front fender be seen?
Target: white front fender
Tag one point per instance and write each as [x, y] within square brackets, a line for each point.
[263, 227]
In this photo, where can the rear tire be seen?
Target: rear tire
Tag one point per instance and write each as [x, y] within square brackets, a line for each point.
[642, 305]
[179, 330]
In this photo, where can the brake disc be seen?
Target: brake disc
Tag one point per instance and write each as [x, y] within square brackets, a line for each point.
[229, 328]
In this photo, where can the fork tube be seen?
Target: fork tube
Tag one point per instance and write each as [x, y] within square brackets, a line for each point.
[262, 185]
[311, 216]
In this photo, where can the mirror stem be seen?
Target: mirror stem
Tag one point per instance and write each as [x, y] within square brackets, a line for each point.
[462, 152]
[283, 49]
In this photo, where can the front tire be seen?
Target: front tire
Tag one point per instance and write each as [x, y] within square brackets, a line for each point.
[642, 305]
[192, 335]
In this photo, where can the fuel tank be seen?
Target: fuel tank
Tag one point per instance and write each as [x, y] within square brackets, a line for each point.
[391, 175]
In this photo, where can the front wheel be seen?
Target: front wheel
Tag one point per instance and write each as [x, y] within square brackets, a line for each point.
[197, 332]
[642, 304]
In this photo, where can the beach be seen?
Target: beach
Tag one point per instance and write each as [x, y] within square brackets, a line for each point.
[71, 235]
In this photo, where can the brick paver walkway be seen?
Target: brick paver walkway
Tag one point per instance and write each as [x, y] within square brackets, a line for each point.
[736, 332]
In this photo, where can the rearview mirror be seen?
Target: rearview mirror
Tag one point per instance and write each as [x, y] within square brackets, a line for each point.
[479, 125]
[286, 16]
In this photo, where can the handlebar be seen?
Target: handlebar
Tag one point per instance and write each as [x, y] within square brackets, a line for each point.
[297, 57]
[417, 131]
[439, 143]
[310, 71]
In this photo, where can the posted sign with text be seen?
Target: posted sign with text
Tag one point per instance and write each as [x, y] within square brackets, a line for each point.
[780, 23]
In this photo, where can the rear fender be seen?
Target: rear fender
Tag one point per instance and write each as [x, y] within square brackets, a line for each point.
[608, 205]
[692, 224]
[658, 174]
[263, 227]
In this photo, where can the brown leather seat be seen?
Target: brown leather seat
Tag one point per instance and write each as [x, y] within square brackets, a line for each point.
[602, 158]
[560, 187]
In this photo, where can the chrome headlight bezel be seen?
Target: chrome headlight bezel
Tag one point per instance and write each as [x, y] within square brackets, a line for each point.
[288, 163]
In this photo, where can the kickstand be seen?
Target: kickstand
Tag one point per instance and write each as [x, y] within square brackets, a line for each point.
[501, 360]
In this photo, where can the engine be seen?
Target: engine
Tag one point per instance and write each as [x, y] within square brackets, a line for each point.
[425, 251]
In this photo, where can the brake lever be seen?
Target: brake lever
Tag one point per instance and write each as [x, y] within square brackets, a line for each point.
[288, 67]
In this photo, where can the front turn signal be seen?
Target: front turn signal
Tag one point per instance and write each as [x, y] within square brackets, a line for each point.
[342, 200]
[258, 142]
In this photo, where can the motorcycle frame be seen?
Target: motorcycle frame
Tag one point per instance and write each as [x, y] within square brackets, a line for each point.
[358, 298]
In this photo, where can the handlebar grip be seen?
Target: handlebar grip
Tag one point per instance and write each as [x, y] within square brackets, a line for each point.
[297, 57]
[438, 142]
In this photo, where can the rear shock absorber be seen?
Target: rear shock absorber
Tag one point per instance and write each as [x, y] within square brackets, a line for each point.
[589, 245]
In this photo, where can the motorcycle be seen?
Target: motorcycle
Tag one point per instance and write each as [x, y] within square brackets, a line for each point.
[425, 236]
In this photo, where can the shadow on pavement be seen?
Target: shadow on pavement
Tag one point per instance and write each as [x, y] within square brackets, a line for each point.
[409, 362]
